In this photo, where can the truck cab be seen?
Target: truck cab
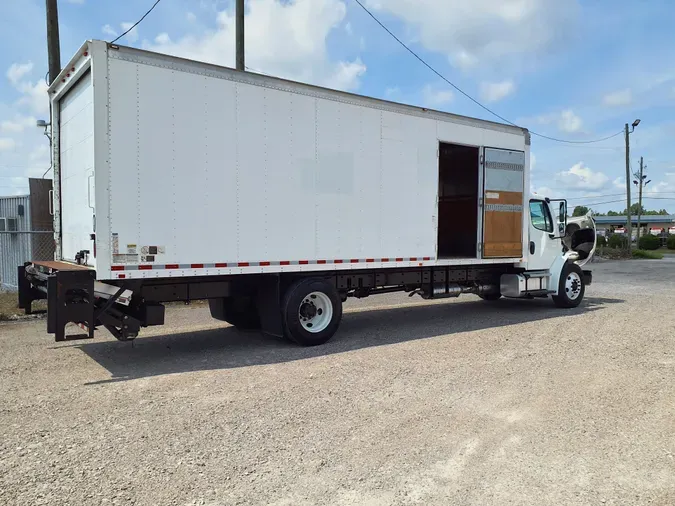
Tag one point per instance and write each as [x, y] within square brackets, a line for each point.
[558, 248]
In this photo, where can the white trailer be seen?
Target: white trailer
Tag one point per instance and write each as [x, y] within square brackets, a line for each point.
[275, 200]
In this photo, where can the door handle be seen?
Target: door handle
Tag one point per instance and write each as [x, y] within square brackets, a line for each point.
[51, 202]
[89, 190]
[532, 247]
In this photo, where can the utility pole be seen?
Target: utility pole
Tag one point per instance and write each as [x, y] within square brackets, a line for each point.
[640, 183]
[629, 228]
[53, 44]
[239, 14]
[640, 197]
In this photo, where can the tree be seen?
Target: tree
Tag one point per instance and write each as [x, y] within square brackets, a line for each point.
[580, 211]
[613, 213]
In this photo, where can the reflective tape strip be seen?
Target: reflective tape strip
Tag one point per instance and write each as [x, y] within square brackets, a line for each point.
[505, 166]
[266, 263]
[504, 208]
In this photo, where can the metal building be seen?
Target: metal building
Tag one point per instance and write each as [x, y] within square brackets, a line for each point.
[26, 231]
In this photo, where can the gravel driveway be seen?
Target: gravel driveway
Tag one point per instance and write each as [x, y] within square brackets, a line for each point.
[459, 402]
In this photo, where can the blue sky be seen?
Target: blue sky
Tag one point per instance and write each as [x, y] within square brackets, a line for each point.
[569, 69]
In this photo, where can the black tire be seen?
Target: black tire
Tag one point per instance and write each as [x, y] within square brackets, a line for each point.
[571, 288]
[240, 312]
[491, 297]
[302, 297]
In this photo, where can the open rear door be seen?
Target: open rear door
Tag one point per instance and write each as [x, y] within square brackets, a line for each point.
[503, 177]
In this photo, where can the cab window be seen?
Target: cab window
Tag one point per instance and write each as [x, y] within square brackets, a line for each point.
[541, 216]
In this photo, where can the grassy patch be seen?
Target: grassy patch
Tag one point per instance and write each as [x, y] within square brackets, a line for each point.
[612, 253]
[8, 302]
[647, 255]
[9, 306]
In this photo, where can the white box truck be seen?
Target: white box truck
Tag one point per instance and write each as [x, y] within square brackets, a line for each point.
[176, 180]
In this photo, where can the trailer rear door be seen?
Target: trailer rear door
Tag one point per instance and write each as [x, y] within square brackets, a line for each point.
[76, 169]
[503, 188]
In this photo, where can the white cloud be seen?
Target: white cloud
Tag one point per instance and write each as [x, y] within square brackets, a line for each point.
[433, 97]
[566, 120]
[7, 144]
[17, 71]
[35, 97]
[191, 17]
[618, 98]
[569, 122]
[109, 30]
[132, 36]
[17, 125]
[580, 177]
[286, 39]
[485, 31]
[163, 38]
[494, 92]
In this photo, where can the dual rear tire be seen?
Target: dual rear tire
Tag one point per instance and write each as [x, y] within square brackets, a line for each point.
[311, 311]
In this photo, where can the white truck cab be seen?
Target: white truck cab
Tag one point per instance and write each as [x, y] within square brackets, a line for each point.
[557, 250]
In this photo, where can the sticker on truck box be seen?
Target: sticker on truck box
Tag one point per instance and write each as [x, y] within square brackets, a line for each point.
[492, 195]
[115, 243]
[124, 259]
[131, 249]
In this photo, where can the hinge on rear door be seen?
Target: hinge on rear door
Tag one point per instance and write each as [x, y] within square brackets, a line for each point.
[480, 247]
[480, 202]
[482, 159]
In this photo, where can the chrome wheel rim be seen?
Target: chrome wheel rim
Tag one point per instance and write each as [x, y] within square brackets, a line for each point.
[573, 286]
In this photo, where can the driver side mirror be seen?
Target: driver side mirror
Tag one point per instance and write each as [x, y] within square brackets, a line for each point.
[562, 214]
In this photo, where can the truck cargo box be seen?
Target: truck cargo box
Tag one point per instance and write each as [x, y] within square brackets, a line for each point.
[167, 167]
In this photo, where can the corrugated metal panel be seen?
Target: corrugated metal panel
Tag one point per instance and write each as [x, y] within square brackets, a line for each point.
[15, 248]
[9, 208]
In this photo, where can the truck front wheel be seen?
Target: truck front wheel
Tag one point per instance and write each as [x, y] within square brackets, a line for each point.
[571, 288]
[312, 311]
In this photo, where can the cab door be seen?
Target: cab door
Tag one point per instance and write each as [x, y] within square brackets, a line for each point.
[544, 246]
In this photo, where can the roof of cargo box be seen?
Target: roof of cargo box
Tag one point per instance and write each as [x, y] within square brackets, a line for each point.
[178, 63]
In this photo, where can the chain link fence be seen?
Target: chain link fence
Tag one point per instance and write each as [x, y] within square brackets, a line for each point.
[16, 248]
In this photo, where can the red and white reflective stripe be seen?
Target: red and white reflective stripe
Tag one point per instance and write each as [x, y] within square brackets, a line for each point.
[263, 263]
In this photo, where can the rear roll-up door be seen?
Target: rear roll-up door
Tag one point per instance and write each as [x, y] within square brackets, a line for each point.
[504, 172]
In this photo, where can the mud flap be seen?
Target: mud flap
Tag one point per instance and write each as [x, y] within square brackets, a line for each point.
[588, 278]
[268, 301]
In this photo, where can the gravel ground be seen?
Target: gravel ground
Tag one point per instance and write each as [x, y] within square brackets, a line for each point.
[460, 402]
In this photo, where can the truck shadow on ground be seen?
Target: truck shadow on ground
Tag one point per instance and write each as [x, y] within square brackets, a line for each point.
[226, 347]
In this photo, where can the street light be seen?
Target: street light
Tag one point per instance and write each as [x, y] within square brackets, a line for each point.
[46, 124]
[629, 228]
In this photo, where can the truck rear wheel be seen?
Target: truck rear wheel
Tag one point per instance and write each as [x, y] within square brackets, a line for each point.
[312, 311]
[571, 288]
[240, 312]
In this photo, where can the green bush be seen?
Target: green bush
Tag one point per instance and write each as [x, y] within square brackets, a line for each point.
[671, 241]
[649, 242]
[647, 255]
[617, 241]
[601, 242]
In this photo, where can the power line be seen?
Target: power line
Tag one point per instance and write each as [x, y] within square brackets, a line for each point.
[618, 195]
[424, 62]
[621, 200]
[136, 23]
